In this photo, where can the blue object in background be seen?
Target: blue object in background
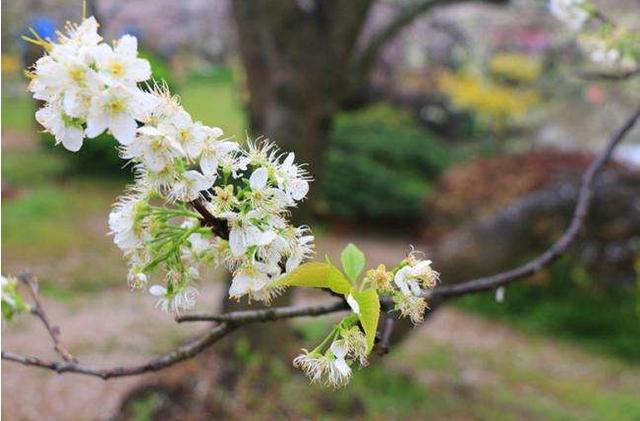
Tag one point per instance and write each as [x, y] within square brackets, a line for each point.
[131, 30]
[44, 26]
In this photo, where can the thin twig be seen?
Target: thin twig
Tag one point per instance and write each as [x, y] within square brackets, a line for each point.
[265, 315]
[38, 310]
[610, 76]
[182, 353]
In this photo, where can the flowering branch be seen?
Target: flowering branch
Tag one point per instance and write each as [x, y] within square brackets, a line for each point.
[230, 321]
[199, 199]
[606, 42]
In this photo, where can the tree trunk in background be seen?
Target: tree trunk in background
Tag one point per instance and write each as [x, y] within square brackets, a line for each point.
[295, 58]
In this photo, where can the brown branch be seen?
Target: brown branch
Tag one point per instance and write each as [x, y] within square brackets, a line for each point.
[609, 76]
[182, 353]
[38, 310]
[598, 15]
[561, 245]
[265, 315]
[383, 346]
[363, 62]
[218, 226]
[233, 320]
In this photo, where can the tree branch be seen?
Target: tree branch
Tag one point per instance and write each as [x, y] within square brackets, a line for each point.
[389, 323]
[561, 245]
[265, 315]
[363, 62]
[217, 225]
[38, 310]
[233, 320]
[610, 76]
[182, 353]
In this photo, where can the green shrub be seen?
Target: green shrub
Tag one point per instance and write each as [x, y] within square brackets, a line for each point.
[380, 165]
[99, 156]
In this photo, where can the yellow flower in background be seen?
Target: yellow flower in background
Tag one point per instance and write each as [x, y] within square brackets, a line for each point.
[495, 103]
[10, 64]
[515, 67]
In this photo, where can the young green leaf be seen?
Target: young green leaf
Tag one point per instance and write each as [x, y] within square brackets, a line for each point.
[369, 305]
[353, 261]
[316, 275]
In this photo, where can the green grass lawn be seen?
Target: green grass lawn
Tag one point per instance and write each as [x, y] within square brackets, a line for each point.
[17, 112]
[216, 102]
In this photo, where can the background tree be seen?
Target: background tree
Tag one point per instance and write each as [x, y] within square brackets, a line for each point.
[304, 62]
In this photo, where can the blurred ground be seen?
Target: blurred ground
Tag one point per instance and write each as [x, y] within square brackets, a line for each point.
[456, 366]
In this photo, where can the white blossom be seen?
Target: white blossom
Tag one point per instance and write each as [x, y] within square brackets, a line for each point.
[121, 63]
[189, 185]
[292, 179]
[253, 281]
[153, 148]
[116, 108]
[125, 224]
[339, 371]
[181, 301]
[91, 87]
[331, 368]
[65, 131]
[571, 12]
[244, 234]
[189, 134]
[300, 249]
[214, 151]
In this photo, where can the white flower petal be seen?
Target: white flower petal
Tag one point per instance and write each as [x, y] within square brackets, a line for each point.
[96, 125]
[157, 290]
[355, 307]
[123, 127]
[258, 179]
[72, 140]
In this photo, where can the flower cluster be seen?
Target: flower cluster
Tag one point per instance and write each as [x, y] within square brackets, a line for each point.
[12, 302]
[197, 197]
[411, 279]
[352, 339]
[572, 12]
[405, 285]
[330, 363]
[605, 43]
[200, 199]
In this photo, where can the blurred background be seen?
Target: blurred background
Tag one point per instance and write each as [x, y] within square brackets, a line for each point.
[461, 129]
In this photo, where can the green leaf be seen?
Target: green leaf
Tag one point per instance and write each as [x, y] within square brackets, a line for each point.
[353, 261]
[317, 275]
[369, 313]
